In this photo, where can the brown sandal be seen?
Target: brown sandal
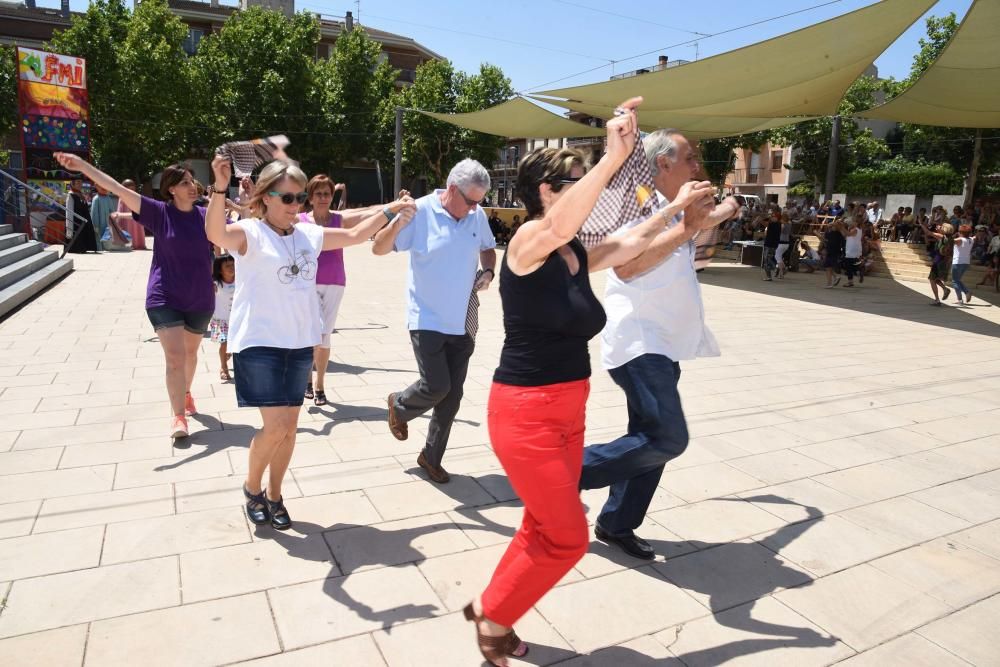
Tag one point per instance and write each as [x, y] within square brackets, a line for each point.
[495, 648]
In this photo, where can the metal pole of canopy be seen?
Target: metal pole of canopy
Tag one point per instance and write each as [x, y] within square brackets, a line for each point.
[831, 165]
[397, 170]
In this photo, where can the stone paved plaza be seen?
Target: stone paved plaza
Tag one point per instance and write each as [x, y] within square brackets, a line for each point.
[839, 501]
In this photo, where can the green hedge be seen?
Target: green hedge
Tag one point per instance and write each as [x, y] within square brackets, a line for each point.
[898, 177]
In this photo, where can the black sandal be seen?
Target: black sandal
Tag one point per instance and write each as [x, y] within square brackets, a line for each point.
[320, 397]
[257, 507]
[309, 390]
[279, 515]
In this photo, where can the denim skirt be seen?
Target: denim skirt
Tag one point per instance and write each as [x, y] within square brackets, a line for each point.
[271, 377]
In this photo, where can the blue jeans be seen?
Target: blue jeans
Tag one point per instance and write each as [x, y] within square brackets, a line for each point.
[657, 432]
[957, 271]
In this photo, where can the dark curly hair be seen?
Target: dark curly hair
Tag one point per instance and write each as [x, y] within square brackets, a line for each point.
[544, 165]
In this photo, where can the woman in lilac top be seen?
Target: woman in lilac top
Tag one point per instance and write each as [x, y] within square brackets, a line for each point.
[331, 277]
[179, 296]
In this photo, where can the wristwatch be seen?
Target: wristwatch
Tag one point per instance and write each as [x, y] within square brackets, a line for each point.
[387, 212]
[212, 190]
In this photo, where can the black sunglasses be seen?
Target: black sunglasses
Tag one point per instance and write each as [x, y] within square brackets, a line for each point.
[289, 197]
[469, 202]
[557, 184]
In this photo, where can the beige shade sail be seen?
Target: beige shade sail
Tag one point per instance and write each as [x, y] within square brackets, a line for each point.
[694, 126]
[518, 118]
[802, 73]
[962, 87]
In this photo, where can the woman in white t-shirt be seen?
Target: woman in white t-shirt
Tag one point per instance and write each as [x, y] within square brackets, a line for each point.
[961, 259]
[275, 321]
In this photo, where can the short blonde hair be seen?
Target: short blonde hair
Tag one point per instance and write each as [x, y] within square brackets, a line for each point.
[270, 176]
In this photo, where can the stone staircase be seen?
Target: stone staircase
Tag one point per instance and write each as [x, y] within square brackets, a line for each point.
[26, 268]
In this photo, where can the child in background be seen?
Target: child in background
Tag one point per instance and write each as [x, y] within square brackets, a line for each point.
[224, 277]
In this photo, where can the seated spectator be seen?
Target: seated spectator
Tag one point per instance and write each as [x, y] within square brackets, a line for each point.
[809, 258]
[894, 222]
[980, 246]
[836, 209]
[905, 226]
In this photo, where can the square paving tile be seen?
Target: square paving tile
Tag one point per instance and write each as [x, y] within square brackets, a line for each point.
[708, 481]
[17, 518]
[55, 483]
[51, 648]
[863, 606]
[400, 501]
[715, 521]
[969, 633]
[56, 600]
[319, 611]
[953, 573]
[731, 574]
[178, 533]
[48, 553]
[984, 538]
[208, 633]
[360, 650]
[94, 509]
[589, 614]
[764, 634]
[910, 650]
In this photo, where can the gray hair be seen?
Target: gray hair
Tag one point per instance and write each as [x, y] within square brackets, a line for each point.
[469, 173]
[660, 143]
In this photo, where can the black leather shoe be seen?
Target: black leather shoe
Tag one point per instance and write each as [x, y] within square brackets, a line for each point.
[257, 510]
[632, 544]
[279, 515]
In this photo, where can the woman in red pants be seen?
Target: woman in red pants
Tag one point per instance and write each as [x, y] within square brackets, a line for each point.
[537, 402]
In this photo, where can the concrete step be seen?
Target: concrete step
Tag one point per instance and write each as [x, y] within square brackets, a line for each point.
[21, 269]
[6, 229]
[11, 240]
[34, 283]
[18, 252]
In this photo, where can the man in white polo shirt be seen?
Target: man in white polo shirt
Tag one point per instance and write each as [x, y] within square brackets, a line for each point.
[448, 239]
[655, 320]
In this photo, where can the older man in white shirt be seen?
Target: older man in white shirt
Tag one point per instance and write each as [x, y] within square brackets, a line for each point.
[655, 320]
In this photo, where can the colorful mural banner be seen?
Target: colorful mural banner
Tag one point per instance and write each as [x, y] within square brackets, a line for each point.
[55, 189]
[51, 68]
[55, 133]
[46, 99]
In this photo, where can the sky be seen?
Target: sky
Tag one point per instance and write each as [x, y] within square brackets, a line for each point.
[536, 42]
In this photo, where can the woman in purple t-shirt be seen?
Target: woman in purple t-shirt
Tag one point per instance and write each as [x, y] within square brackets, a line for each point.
[179, 296]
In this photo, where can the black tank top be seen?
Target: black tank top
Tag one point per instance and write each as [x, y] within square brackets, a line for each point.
[548, 317]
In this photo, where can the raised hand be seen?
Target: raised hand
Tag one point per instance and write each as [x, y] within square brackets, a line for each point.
[693, 191]
[622, 130]
[70, 161]
[248, 186]
[222, 171]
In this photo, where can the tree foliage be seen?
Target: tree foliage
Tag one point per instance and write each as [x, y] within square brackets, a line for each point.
[431, 148]
[718, 155]
[857, 146]
[152, 104]
[8, 94]
[919, 177]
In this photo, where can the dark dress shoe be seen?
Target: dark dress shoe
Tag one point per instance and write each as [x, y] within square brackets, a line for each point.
[256, 506]
[631, 544]
[436, 473]
[279, 515]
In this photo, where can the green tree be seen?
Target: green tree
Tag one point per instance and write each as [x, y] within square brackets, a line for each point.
[718, 156]
[256, 77]
[953, 145]
[354, 86]
[431, 147]
[811, 139]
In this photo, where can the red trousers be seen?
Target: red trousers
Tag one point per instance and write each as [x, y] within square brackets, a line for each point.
[537, 433]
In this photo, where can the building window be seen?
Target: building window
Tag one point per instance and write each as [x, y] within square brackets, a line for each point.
[777, 159]
[191, 41]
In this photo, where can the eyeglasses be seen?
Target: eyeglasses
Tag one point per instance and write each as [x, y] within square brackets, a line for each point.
[290, 197]
[187, 182]
[557, 184]
[469, 202]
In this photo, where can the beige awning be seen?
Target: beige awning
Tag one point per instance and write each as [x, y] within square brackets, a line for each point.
[962, 87]
[803, 73]
[518, 118]
[694, 126]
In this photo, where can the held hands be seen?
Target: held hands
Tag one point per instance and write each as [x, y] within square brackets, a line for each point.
[248, 186]
[483, 281]
[622, 131]
[694, 192]
[222, 171]
[405, 214]
[404, 201]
